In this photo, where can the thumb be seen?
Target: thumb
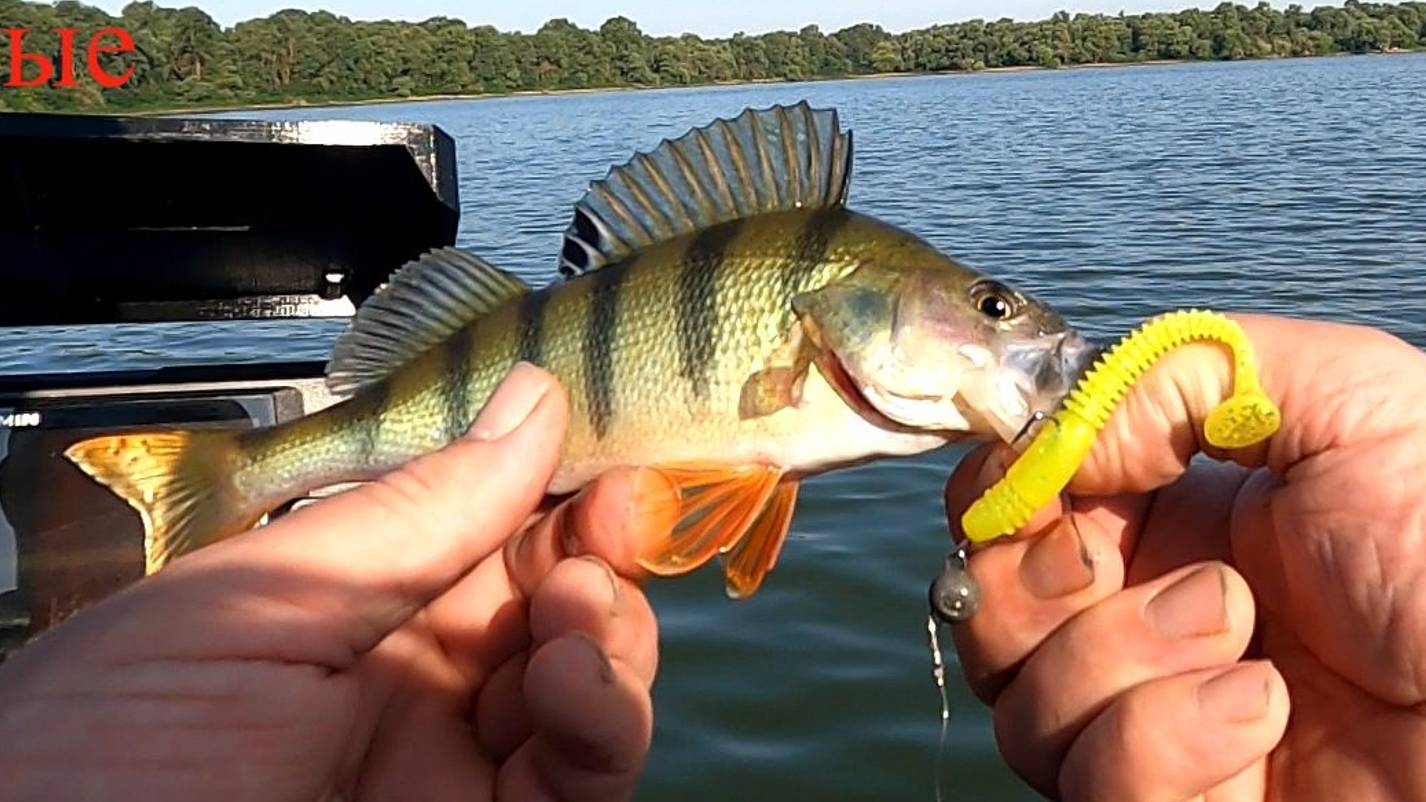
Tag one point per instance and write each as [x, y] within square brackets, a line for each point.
[1331, 381]
[350, 569]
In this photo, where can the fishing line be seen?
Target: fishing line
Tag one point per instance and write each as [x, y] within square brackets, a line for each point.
[953, 597]
[938, 674]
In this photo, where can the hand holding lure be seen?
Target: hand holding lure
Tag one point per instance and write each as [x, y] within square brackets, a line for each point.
[1048, 464]
[1248, 416]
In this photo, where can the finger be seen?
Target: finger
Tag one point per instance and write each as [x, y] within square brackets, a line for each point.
[592, 719]
[610, 519]
[520, 780]
[502, 720]
[1119, 516]
[1063, 561]
[1029, 588]
[404, 692]
[581, 595]
[1177, 737]
[329, 581]
[483, 620]
[975, 473]
[1197, 617]
[1337, 544]
[584, 595]
[1348, 384]
[1189, 521]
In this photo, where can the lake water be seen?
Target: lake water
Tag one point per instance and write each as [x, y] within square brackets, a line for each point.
[1294, 186]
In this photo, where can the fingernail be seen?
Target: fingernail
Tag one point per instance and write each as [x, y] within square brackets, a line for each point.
[1194, 605]
[511, 403]
[609, 575]
[1238, 695]
[606, 668]
[1057, 564]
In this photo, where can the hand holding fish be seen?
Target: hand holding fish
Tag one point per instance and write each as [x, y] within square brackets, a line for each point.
[393, 642]
[1145, 638]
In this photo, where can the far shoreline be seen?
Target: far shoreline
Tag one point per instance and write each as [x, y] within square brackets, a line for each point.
[876, 76]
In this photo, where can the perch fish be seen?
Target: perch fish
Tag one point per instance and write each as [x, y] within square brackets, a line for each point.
[722, 316]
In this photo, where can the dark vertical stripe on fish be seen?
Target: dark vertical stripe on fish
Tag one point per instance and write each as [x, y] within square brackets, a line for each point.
[456, 382]
[599, 346]
[813, 243]
[532, 326]
[367, 420]
[698, 304]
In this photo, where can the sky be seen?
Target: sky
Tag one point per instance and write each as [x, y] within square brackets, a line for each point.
[711, 18]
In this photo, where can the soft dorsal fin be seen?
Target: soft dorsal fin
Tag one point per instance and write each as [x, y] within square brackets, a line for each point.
[775, 159]
[426, 301]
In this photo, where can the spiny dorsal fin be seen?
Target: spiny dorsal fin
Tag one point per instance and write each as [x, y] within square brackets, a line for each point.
[775, 159]
[426, 301]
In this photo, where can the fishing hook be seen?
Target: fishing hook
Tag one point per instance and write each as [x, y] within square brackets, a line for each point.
[1030, 422]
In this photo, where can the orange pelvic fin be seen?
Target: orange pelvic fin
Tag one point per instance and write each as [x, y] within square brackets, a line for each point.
[745, 566]
[717, 504]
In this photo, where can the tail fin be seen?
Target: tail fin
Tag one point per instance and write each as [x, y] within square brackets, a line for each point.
[180, 482]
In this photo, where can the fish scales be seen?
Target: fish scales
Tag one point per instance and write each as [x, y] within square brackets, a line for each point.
[698, 304]
[531, 327]
[690, 320]
[423, 406]
[458, 414]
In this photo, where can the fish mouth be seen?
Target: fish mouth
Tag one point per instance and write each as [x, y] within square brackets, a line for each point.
[855, 397]
[1063, 366]
[1047, 375]
[1010, 399]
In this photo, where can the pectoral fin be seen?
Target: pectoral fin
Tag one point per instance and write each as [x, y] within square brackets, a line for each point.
[717, 505]
[767, 391]
[755, 555]
[779, 385]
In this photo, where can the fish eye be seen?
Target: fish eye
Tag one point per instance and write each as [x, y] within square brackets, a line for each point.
[994, 300]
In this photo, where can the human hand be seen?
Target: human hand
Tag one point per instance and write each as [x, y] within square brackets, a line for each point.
[1141, 638]
[392, 642]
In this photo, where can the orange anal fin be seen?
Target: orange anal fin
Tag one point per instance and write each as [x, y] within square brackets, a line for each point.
[717, 504]
[755, 555]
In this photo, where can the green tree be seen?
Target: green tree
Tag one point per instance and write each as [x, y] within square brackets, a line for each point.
[886, 57]
[182, 57]
[629, 48]
[859, 42]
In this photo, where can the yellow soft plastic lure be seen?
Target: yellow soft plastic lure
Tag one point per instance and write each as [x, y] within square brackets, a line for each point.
[1248, 416]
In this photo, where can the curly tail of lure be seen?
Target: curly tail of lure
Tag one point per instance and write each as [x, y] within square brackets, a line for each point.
[1050, 461]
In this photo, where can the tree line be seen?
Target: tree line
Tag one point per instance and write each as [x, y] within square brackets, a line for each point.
[183, 58]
